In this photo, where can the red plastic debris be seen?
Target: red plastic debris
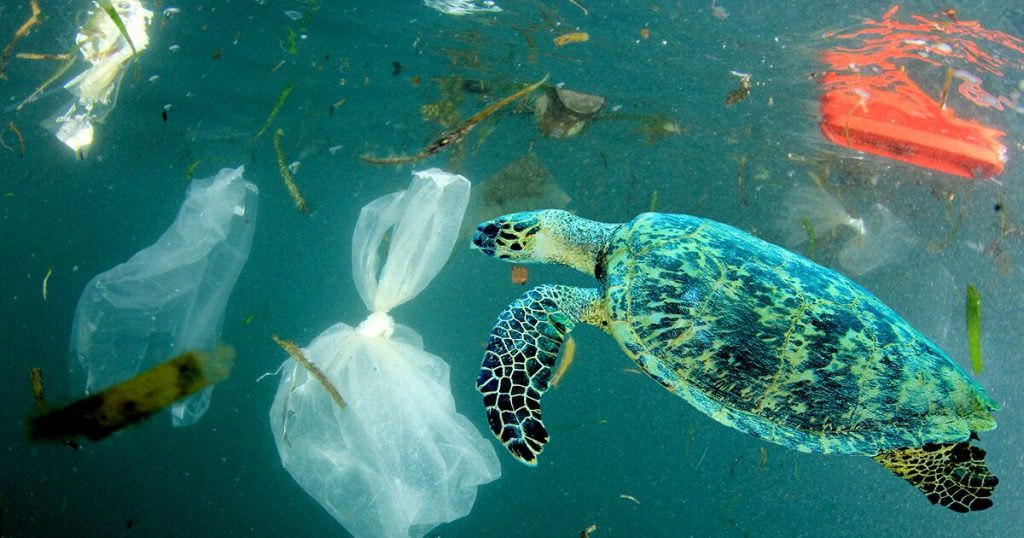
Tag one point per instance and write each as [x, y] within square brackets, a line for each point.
[871, 104]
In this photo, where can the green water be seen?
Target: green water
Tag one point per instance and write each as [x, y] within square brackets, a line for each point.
[613, 433]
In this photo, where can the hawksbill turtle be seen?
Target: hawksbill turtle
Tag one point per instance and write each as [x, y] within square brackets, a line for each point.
[757, 337]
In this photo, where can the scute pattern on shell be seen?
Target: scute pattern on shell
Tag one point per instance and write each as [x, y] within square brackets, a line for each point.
[765, 341]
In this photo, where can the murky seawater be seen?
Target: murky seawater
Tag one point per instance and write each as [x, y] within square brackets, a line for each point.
[625, 455]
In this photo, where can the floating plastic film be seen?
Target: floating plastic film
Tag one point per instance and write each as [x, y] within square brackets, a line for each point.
[398, 459]
[102, 44]
[170, 297]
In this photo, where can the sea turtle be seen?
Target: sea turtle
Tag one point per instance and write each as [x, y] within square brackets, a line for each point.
[757, 337]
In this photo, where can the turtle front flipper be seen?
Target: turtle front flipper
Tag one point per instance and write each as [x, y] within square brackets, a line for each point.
[517, 365]
[951, 474]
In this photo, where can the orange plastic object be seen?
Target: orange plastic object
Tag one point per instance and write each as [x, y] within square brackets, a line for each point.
[871, 104]
[895, 119]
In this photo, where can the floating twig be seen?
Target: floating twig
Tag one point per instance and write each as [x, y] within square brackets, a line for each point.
[46, 281]
[22, 31]
[277, 108]
[455, 135]
[629, 498]
[39, 56]
[315, 371]
[21, 138]
[945, 88]
[286, 175]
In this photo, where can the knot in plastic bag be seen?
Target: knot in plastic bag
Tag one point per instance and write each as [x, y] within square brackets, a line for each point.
[377, 325]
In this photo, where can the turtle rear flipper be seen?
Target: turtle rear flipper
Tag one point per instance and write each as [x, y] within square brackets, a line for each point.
[517, 365]
[951, 474]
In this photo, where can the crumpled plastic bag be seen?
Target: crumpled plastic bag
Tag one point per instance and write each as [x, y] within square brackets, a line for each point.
[102, 44]
[169, 297]
[398, 460]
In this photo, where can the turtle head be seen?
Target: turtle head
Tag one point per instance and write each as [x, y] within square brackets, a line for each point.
[510, 237]
[549, 235]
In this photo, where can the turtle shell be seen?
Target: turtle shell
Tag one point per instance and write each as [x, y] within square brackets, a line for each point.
[770, 343]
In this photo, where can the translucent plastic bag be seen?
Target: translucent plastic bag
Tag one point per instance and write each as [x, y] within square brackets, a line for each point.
[169, 297]
[398, 460]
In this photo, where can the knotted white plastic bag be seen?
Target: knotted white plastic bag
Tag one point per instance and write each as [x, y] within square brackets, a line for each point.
[398, 460]
[169, 297]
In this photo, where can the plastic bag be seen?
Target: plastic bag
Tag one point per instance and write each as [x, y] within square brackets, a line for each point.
[398, 460]
[170, 297]
[103, 45]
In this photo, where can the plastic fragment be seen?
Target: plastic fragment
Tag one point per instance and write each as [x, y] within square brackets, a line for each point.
[462, 7]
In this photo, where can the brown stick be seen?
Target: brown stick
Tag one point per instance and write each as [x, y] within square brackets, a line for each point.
[22, 31]
[300, 358]
[455, 135]
[39, 56]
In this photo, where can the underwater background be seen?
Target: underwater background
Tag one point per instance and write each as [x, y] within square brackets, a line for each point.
[624, 455]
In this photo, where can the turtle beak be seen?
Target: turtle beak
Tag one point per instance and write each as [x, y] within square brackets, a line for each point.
[484, 237]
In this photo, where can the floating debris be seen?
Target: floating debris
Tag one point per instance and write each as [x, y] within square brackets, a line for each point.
[109, 39]
[654, 201]
[762, 459]
[521, 185]
[108, 8]
[454, 136]
[585, 533]
[944, 94]
[571, 37]
[21, 138]
[519, 274]
[870, 102]
[562, 113]
[811, 213]
[277, 108]
[884, 239]
[629, 498]
[974, 327]
[130, 402]
[36, 375]
[718, 12]
[20, 33]
[44, 57]
[297, 355]
[568, 354]
[286, 175]
[462, 7]
[46, 280]
[740, 93]
[336, 105]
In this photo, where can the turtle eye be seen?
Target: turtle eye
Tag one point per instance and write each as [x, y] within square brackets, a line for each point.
[490, 229]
